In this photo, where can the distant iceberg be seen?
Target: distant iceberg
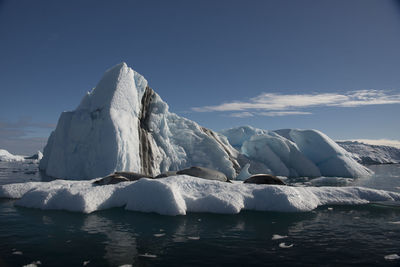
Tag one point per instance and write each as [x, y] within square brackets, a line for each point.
[371, 154]
[7, 156]
[123, 125]
[37, 156]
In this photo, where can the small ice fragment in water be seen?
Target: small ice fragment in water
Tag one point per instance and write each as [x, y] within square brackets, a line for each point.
[276, 237]
[17, 253]
[330, 208]
[159, 235]
[283, 245]
[125, 265]
[85, 263]
[392, 257]
[33, 264]
[147, 255]
[194, 237]
[356, 218]
[396, 222]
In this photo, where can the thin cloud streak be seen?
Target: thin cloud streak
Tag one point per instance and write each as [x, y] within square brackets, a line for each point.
[283, 102]
[283, 113]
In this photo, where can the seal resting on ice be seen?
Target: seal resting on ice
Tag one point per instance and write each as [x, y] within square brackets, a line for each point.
[118, 177]
[264, 179]
[205, 173]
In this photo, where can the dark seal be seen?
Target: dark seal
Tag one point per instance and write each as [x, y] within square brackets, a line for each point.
[264, 179]
[205, 173]
[119, 177]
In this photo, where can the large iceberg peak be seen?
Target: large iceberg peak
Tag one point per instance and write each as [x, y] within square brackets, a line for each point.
[123, 125]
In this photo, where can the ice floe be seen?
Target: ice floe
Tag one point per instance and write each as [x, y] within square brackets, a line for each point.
[177, 195]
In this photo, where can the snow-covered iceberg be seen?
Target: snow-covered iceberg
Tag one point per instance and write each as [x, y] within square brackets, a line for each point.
[123, 125]
[371, 154]
[177, 195]
[293, 153]
[7, 156]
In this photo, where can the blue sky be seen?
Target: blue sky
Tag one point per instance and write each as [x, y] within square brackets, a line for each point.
[327, 65]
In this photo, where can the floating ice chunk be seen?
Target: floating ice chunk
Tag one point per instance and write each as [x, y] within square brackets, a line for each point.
[276, 237]
[395, 222]
[177, 195]
[148, 255]
[392, 257]
[159, 235]
[33, 264]
[194, 237]
[7, 156]
[17, 253]
[283, 245]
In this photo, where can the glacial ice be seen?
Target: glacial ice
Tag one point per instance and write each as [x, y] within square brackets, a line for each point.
[123, 125]
[177, 195]
[293, 153]
[7, 156]
[371, 154]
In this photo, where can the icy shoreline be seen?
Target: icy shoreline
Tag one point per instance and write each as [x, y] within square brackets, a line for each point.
[177, 195]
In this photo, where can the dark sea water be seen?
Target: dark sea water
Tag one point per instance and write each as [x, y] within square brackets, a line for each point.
[328, 236]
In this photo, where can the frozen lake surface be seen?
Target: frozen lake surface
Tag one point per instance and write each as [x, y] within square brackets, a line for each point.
[330, 235]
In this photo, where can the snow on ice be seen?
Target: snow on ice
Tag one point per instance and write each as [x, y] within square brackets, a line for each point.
[177, 195]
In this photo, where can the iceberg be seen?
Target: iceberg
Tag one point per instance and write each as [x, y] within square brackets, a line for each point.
[177, 195]
[123, 125]
[38, 156]
[371, 154]
[293, 153]
[7, 156]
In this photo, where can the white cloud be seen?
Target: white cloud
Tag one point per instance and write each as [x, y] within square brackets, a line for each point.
[283, 113]
[241, 115]
[283, 102]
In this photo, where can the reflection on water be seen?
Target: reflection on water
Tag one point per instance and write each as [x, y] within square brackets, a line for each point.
[115, 237]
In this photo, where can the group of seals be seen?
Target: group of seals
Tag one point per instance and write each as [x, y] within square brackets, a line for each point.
[200, 172]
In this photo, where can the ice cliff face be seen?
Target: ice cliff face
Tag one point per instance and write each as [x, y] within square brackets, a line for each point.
[292, 152]
[123, 125]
